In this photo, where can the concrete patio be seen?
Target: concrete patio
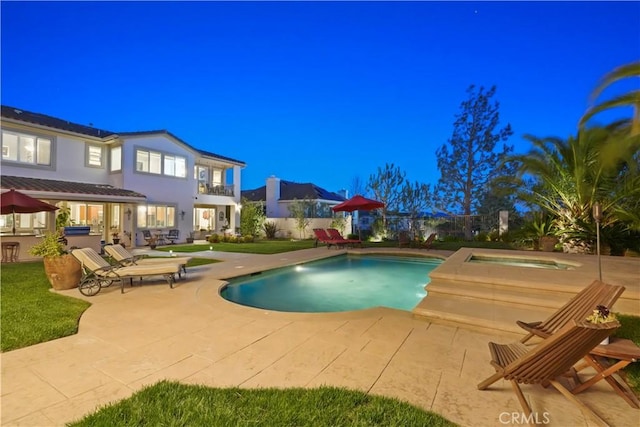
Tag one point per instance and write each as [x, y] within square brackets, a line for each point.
[191, 334]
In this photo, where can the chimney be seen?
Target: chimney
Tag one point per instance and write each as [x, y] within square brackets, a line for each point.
[272, 196]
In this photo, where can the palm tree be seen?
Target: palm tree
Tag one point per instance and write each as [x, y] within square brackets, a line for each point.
[569, 176]
[631, 99]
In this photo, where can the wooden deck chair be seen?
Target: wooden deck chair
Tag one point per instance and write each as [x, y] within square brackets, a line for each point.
[123, 257]
[578, 308]
[544, 363]
[323, 237]
[97, 272]
[428, 242]
[335, 235]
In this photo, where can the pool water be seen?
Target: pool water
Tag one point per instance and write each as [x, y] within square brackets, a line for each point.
[339, 283]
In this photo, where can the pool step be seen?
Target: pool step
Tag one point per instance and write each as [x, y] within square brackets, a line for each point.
[477, 314]
[490, 306]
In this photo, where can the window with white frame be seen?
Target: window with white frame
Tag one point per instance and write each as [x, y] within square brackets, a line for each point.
[24, 148]
[156, 216]
[95, 155]
[116, 158]
[160, 163]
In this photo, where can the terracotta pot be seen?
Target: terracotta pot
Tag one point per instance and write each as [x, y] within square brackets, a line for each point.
[63, 272]
[548, 243]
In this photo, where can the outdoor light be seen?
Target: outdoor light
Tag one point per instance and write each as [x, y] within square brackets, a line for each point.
[128, 212]
[597, 215]
[210, 248]
[170, 252]
[182, 213]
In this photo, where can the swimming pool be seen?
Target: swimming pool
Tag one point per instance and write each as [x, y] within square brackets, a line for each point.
[341, 283]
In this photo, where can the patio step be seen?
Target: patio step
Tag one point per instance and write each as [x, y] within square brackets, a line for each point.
[477, 314]
[491, 306]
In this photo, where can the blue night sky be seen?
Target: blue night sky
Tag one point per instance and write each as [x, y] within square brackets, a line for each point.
[316, 92]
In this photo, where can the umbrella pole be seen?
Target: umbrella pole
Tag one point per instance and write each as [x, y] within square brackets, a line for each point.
[14, 223]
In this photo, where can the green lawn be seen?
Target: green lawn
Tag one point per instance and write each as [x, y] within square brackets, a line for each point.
[29, 312]
[173, 404]
[257, 247]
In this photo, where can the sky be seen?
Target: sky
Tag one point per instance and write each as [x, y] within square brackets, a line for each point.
[320, 92]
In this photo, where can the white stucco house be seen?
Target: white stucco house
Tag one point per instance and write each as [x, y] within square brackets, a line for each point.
[278, 195]
[115, 182]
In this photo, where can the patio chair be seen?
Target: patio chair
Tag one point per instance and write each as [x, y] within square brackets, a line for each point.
[323, 237]
[173, 235]
[549, 360]
[428, 243]
[125, 258]
[335, 235]
[97, 272]
[147, 236]
[577, 308]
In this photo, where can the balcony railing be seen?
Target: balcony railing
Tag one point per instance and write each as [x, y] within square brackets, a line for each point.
[216, 190]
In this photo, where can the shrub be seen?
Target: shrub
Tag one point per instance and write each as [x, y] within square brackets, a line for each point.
[481, 237]
[352, 237]
[270, 229]
[214, 238]
[248, 239]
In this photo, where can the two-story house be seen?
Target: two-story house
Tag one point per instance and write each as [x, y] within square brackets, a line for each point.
[117, 183]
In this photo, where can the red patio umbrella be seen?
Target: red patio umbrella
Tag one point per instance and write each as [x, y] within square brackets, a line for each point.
[16, 202]
[357, 203]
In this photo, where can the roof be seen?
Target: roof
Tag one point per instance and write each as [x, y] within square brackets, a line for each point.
[166, 132]
[41, 186]
[56, 123]
[292, 190]
[52, 122]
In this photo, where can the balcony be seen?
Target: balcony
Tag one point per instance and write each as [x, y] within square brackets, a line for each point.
[216, 190]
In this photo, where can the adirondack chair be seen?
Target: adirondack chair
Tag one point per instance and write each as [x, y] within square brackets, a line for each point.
[544, 363]
[577, 308]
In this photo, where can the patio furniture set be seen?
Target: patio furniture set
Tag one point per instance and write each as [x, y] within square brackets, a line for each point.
[567, 337]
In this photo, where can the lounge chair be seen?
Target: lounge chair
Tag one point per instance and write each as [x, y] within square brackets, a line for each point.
[428, 243]
[404, 239]
[126, 258]
[578, 308]
[335, 235]
[97, 272]
[544, 363]
[323, 237]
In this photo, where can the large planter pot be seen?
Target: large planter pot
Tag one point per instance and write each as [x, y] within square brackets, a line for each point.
[63, 272]
[548, 243]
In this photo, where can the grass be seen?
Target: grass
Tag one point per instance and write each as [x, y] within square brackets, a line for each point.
[29, 312]
[257, 247]
[173, 404]
[630, 329]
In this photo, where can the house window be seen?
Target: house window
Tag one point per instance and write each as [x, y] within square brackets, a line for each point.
[158, 163]
[216, 179]
[116, 159]
[24, 148]
[152, 216]
[95, 156]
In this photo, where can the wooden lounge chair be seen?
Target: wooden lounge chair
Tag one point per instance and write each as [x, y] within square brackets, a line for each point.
[125, 258]
[335, 235]
[97, 272]
[544, 363]
[323, 237]
[428, 243]
[578, 308]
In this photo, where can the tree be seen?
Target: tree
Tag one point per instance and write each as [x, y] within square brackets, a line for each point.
[468, 161]
[571, 175]
[357, 186]
[251, 218]
[300, 210]
[386, 188]
[415, 199]
[630, 99]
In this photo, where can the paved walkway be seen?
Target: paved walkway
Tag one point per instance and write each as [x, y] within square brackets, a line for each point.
[192, 335]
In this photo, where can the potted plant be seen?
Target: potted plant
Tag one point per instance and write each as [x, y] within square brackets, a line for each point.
[61, 268]
[115, 235]
[602, 315]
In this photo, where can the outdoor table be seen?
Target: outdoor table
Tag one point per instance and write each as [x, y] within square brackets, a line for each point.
[161, 237]
[608, 360]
